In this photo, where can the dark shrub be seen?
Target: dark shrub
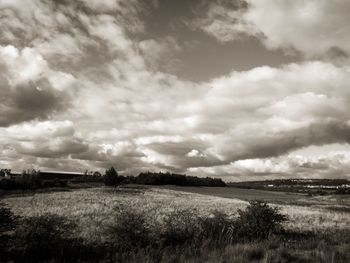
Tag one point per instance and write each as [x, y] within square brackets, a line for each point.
[5, 172]
[27, 180]
[111, 177]
[180, 226]
[11, 184]
[54, 183]
[42, 238]
[30, 179]
[88, 179]
[7, 219]
[284, 255]
[49, 238]
[254, 254]
[8, 222]
[216, 227]
[258, 221]
[130, 230]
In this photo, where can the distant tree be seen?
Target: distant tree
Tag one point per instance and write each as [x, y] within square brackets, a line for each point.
[5, 172]
[176, 179]
[111, 177]
[97, 174]
[30, 179]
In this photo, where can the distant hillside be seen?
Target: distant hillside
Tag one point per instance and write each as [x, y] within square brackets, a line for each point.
[298, 185]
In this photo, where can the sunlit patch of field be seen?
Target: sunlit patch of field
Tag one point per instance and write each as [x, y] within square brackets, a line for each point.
[95, 208]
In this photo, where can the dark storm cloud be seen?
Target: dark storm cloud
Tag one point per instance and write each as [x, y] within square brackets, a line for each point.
[124, 155]
[185, 154]
[202, 57]
[282, 143]
[29, 88]
[61, 147]
[28, 102]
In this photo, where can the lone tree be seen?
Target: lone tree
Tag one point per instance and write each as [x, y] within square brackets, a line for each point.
[111, 177]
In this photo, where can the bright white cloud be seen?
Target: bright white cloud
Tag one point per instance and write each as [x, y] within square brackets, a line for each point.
[22, 65]
[312, 27]
[38, 130]
[315, 28]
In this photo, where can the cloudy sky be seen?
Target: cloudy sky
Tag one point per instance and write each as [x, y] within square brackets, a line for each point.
[238, 89]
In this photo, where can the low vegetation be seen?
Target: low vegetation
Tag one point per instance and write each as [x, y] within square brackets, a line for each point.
[51, 237]
[139, 224]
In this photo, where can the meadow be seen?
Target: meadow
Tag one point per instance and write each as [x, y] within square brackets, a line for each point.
[320, 225]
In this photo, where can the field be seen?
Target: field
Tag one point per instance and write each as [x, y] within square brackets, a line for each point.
[323, 202]
[94, 209]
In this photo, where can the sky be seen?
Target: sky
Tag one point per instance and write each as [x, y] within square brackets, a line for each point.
[235, 89]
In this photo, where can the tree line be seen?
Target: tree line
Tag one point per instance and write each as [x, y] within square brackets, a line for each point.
[34, 179]
[149, 178]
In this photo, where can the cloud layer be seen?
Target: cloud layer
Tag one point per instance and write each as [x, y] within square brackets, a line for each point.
[83, 85]
[316, 28]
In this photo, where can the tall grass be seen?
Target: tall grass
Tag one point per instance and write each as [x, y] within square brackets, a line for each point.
[183, 236]
[140, 225]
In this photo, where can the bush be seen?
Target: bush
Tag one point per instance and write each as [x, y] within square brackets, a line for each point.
[179, 227]
[42, 238]
[27, 180]
[54, 183]
[8, 222]
[30, 179]
[47, 238]
[5, 172]
[11, 184]
[130, 230]
[216, 228]
[87, 179]
[7, 219]
[187, 228]
[258, 221]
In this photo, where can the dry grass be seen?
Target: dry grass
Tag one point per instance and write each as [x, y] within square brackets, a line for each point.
[94, 209]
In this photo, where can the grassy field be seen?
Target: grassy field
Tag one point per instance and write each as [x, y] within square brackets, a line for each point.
[331, 202]
[94, 209]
